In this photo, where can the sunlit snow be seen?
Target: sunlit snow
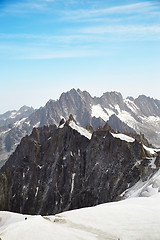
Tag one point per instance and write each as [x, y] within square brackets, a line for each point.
[144, 188]
[109, 111]
[130, 104]
[131, 219]
[97, 112]
[81, 130]
[151, 150]
[18, 123]
[14, 114]
[123, 137]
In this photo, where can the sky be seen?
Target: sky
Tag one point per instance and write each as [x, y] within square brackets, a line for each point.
[51, 46]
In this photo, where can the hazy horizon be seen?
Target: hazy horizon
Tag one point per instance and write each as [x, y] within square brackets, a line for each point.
[55, 99]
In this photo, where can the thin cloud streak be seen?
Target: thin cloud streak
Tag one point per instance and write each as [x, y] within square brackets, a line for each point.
[80, 45]
[21, 52]
[58, 55]
[85, 37]
[49, 40]
[25, 7]
[94, 36]
[47, 6]
[122, 29]
[136, 8]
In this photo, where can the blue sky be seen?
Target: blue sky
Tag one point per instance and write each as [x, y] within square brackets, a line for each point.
[50, 46]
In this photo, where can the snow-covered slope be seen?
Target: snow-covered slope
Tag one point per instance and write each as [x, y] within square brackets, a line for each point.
[131, 219]
[141, 114]
[145, 188]
[81, 130]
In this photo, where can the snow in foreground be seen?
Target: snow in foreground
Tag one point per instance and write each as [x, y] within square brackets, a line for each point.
[131, 219]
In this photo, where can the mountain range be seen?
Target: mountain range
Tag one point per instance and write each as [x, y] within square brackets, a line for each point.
[140, 115]
[68, 167]
[79, 152]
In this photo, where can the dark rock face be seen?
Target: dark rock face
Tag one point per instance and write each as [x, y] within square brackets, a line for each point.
[141, 115]
[57, 169]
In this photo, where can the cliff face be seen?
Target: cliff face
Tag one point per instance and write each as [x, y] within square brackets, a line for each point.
[141, 115]
[57, 169]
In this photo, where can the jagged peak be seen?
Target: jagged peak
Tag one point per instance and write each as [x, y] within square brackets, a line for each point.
[89, 128]
[25, 108]
[71, 91]
[71, 118]
[71, 122]
[62, 122]
[130, 98]
[144, 97]
[105, 128]
[81, 130]
[50, 102]
[113, 93]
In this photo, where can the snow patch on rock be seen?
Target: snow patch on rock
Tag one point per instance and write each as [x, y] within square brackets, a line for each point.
[81, 130]
[123, 137]
[97, 111]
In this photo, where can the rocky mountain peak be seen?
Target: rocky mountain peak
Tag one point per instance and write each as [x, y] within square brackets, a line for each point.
[71, 118]
[61, 122]
[25, 108]
[148, 106]
[113, 97]
[57, 169]
[141, 115]
[130, 98]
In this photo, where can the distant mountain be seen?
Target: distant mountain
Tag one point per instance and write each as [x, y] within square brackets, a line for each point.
[140, 115]
[67, 167]
[12, 130]
[11, 117]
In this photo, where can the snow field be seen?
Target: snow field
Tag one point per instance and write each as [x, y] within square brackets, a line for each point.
[130, 219]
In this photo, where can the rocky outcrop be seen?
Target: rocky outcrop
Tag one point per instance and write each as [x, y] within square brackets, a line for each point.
[57, 169]
[141, 115]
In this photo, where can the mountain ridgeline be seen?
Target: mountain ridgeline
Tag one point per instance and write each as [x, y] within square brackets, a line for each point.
[140, 115]
[57, 169]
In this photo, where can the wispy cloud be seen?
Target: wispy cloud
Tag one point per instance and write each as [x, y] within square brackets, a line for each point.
[122, 29]
[35, 6]
[49, 40]
[25, 7]
[95, 41]
[45, 52]
[137, 8]
[59, 54]
[82, 39]
[87, 34]
[80, 13]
